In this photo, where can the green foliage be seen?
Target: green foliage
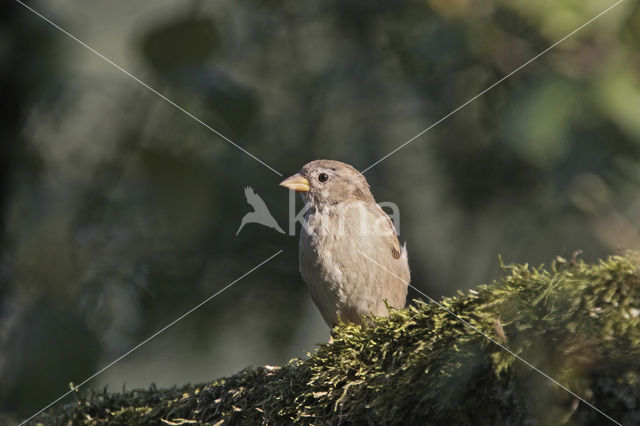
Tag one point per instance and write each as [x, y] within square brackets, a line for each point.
[577, 322]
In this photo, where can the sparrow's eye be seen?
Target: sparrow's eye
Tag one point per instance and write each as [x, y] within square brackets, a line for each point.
[323, 177]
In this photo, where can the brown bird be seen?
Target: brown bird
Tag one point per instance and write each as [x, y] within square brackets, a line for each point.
[347, 242]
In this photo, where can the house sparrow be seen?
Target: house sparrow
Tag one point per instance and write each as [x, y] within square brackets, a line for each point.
[342, 226]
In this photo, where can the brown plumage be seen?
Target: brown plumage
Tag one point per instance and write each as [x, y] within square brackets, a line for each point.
[344, 226]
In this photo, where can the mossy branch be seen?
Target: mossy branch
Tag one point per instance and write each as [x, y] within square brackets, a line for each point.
[577, 322]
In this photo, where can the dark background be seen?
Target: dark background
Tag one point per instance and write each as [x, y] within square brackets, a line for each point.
[119, 212]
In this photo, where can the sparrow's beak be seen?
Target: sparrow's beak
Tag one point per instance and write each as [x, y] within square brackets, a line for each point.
[296, 182]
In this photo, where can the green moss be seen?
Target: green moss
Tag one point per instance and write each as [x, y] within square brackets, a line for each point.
[577, 322]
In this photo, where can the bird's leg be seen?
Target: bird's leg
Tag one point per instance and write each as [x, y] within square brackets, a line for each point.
[331, 334]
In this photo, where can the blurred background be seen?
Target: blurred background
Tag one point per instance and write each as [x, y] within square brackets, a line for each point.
[119, 212]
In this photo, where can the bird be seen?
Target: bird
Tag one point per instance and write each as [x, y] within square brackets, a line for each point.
[260, 213]
[349, 253]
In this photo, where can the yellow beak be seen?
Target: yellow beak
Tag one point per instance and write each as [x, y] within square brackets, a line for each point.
[296, 182]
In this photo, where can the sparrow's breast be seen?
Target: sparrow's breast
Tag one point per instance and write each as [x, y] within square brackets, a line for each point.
[319, 246]
[332, 264]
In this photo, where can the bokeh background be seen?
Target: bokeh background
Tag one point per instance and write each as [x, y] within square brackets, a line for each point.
[119, 212]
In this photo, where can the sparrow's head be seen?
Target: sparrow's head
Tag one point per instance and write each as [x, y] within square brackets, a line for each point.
[326, 182]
